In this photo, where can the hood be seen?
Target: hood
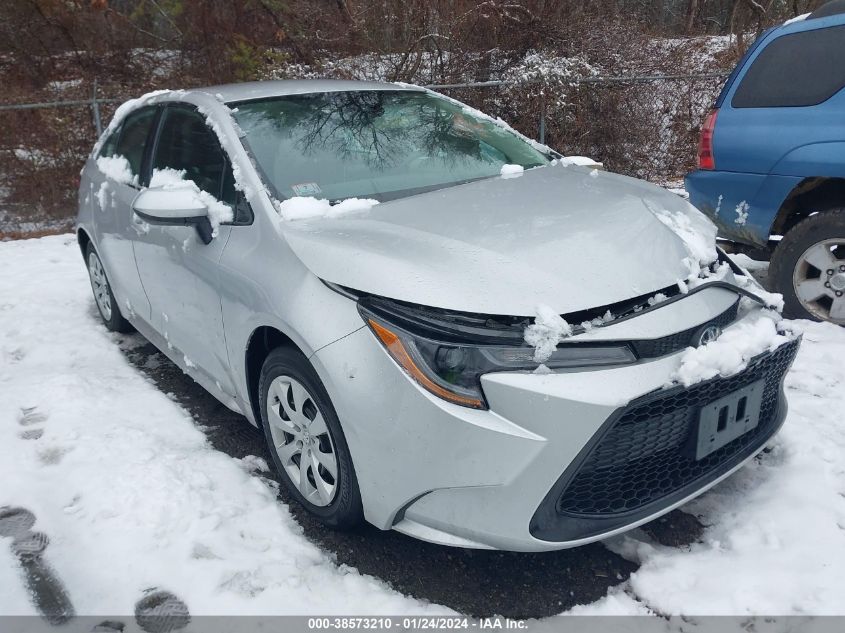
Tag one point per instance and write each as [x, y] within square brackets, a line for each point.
[566, 237]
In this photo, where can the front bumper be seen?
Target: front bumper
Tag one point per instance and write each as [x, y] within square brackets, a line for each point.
[493, 479]
[643, 458]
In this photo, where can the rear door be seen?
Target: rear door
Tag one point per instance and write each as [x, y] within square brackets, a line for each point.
[115, 223]
[179, 273]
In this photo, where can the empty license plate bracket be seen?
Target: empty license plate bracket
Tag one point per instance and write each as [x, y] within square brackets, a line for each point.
[724, 420]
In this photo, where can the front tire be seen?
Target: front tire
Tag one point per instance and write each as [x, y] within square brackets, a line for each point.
[808, 267]
[305, 440]
[103, 295]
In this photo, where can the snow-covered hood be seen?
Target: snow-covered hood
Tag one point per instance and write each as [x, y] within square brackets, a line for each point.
[566, 237]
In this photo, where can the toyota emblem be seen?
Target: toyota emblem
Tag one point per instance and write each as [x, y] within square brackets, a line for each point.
[707, 334]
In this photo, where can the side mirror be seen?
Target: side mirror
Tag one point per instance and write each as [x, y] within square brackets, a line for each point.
[173, 207]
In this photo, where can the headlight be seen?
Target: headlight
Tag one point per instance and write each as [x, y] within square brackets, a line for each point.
[453, 370]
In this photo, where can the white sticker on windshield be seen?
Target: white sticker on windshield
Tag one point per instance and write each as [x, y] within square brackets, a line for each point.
[306, 189]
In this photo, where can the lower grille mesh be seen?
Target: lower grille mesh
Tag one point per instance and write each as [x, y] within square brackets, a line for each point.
[649, 452]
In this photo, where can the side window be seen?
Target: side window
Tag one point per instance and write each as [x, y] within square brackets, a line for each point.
[801, 69]
[187, 143]
[110, 145]
[134, 134]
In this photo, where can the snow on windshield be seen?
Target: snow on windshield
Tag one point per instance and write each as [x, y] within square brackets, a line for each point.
[580, 161]
[511, 171]
[305, 208]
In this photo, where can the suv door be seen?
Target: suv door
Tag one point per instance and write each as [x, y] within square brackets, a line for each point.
[114, 221]
[178, 272]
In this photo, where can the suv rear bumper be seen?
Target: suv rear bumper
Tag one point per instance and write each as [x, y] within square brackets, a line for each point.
[721, 195]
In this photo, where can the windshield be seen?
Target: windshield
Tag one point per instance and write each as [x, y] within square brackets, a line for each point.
[374, 144]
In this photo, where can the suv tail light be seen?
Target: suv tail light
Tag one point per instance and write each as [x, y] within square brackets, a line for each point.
[705, 142]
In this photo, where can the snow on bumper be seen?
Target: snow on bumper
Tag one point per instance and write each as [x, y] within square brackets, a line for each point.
[471, 478]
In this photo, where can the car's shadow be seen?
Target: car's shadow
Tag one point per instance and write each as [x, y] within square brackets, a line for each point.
[472, 582]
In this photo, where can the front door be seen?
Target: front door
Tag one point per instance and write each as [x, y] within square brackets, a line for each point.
[180, 273]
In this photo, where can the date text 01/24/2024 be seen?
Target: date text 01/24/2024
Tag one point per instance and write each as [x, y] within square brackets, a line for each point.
[415, 623]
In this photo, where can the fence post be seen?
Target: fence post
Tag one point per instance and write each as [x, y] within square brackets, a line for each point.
[542, 134]
[95, 107]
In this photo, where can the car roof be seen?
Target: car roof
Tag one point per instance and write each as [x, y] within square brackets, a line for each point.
[282, 87]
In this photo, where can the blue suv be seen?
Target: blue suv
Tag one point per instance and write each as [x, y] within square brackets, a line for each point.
[772, 161]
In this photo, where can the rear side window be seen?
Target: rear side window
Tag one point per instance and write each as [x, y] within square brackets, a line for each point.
[110, 144]
[187, 143]
[133, 137]
[801, 69]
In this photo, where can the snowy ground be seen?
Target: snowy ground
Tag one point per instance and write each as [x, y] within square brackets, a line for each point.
[132, 496]
[100, 477]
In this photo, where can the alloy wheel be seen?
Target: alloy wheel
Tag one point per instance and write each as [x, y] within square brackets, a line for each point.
[819, 280]
[302, 440]
[100, 285]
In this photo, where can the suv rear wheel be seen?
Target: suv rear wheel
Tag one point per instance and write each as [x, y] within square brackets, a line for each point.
[808, 267]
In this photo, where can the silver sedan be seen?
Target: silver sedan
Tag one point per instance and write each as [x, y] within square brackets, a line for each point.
[367, 271]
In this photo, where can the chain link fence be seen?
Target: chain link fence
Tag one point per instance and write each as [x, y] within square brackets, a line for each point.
[644, 126]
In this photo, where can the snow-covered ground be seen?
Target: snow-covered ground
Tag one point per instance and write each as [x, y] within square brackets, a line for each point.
[131, 495]
[124, 485]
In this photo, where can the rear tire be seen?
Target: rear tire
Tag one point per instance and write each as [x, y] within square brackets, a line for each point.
[808, 268]
[306, 441]
[103, 295]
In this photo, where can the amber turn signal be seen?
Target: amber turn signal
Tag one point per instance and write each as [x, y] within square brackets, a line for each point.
[397, 350]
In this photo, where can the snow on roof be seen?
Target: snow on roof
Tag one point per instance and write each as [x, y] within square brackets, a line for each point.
[281, 87]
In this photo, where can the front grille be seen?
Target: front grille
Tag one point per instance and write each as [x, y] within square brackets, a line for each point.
[648, 451]
[654, 348]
